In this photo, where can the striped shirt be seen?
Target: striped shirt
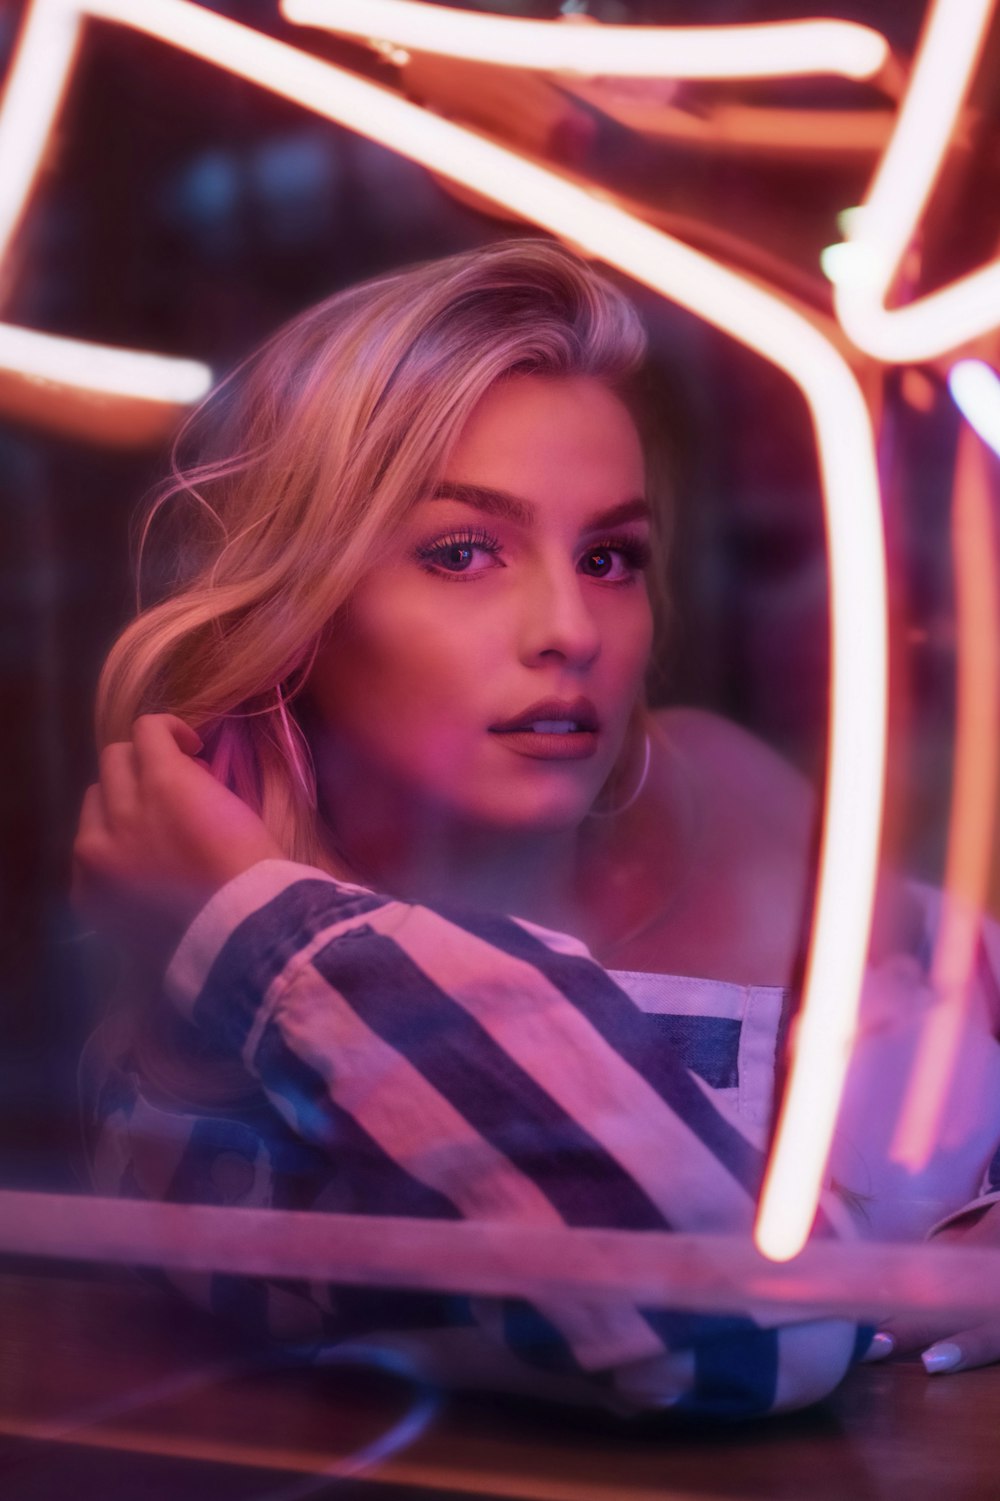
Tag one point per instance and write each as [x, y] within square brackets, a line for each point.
[449, 1065]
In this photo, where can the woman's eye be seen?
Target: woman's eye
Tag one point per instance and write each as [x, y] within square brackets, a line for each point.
[460, 556]
[600, 562]
[616, 562]
[457, 558]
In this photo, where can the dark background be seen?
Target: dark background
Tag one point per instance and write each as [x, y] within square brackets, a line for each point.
[186, 212]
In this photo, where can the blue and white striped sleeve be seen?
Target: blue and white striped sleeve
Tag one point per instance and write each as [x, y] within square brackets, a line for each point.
[462, 1065]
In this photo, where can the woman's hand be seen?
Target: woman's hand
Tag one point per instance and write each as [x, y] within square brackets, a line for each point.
[943, 1348]
[158, 836]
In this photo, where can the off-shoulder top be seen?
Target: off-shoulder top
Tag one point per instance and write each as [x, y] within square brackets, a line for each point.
[415, 1061]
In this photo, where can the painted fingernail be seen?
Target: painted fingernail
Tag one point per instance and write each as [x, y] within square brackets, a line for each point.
[943, 1357]
[881, 1348]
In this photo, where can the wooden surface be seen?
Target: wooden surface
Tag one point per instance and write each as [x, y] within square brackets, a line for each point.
[109, 1389]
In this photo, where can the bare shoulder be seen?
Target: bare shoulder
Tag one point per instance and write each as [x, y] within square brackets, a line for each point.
[731, 764]
[750, 851]
[754, 856]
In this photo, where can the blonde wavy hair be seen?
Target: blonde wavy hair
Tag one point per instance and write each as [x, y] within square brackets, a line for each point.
[307, 456]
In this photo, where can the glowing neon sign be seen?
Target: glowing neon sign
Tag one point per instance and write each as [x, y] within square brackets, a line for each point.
[35, 87]
[759, 318]
[886, 222]
[975, 387]
[766, 324]
[778, 49]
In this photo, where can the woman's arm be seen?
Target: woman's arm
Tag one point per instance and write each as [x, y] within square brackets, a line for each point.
[475, 1066]
[449, 1064]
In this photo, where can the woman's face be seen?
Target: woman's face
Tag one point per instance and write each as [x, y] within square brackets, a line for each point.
[487, 666]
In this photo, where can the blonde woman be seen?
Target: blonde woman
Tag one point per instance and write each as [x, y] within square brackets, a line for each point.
[381, 798]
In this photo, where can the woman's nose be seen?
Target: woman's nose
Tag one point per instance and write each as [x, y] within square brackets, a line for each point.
[556, 620]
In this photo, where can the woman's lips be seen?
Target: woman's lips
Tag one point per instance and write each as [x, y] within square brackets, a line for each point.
[552, 729]
[571, 745]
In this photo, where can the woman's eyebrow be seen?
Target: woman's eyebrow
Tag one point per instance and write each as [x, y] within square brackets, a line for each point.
[494, 502]
[512, 508]
[629, 510]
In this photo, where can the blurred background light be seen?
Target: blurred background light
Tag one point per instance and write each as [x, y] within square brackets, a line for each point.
[975, 387]
[780, 49]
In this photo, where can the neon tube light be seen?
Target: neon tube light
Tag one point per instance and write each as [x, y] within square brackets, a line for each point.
[884, 226]
[975, 389]
[101, 368]
[766, 324]
[973, 806]
[741, 128]
[36, 84]
[777, 49]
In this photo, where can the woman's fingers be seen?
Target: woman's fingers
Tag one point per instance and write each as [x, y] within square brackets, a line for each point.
[89, 854]
[965, 1350]
[93, 818]
[158, 737]
[902, 1336]
[92, 830]
[91, 838]
[161, 834]
[118, 781]
[942, 1350]
[157, 742]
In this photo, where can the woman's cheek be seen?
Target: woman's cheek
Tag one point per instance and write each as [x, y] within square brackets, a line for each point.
[633, 641]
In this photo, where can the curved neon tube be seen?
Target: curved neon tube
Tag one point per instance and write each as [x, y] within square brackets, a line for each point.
[35, 86]
[36, 81]
[777, 49]
[885, 224]
[101, 368]
[973, 807]
[767, 325]
[975, 389]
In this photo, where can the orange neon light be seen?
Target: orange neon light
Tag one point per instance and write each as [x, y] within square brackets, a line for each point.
[36, 83]
[777, 49]
[975, 388]
[741, 129]
[885, 224]
[973, 804]
[101, 369]
[765, 323]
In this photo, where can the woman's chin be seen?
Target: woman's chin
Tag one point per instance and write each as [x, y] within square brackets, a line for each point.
[529, 817]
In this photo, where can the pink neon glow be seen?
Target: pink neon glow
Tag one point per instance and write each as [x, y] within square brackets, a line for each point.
[885, 224]
[975, 389]
[740, 129]
[765, 323]
[36, 83]
[102, 369]
[779, 49]
[973, 803]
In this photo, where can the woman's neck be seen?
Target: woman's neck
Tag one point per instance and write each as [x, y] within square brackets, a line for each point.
[602, 879]
[525, 875]
[420, 855]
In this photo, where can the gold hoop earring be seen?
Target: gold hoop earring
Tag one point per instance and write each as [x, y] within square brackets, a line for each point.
[634, 796]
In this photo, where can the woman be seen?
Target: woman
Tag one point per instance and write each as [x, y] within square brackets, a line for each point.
[409, 636]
